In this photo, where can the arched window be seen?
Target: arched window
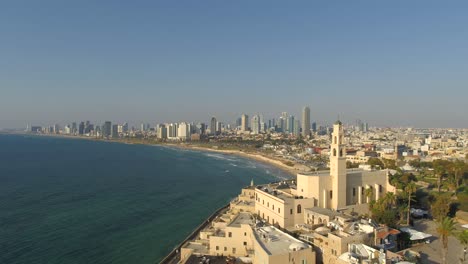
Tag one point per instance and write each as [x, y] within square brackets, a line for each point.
[299, 209]
[341, 152]
[334, 152]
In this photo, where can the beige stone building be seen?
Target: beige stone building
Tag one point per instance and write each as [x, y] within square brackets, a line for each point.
[340, 189]
[236, 233]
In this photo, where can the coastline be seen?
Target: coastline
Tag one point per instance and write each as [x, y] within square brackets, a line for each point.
[253, 156]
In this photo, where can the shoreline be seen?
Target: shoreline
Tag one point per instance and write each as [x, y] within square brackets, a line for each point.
[253, 156]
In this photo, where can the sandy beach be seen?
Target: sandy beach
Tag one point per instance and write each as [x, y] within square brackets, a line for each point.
[258, 157]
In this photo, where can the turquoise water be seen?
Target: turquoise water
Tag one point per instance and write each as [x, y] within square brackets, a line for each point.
[78, 201]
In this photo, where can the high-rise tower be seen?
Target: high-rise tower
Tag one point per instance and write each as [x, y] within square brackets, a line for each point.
[244, 122]
[338, 167]
[305, 121]
[213, 127]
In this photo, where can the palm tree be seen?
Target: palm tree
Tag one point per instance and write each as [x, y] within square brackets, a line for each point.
[409, 189]
[368, 193]
[463, 237]
[445, 229]
[390, 199]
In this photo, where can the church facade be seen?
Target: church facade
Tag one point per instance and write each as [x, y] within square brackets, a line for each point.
[339, 189]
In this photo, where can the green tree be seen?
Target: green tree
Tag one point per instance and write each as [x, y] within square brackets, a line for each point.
[410, 190]
[389, 164]
[416, 163]
[459, 169]
[440, 170]
[390, 200]
[375, 162]
[441, 206]
[463, 237]
[445, 228]
[350, 165]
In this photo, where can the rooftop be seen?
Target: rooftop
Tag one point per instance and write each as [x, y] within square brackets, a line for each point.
[324, 211]
[276, 242]
[242, 219]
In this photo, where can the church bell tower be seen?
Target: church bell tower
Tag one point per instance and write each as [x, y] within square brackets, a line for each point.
[337, 193]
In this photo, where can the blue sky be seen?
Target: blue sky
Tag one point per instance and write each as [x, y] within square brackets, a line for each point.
[393, 63]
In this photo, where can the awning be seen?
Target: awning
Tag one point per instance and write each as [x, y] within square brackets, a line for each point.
[415, 234]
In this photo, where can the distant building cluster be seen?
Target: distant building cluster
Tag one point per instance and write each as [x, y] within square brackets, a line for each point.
[255, 125]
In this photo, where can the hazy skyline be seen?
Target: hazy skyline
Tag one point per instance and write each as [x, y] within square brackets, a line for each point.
[396, 63]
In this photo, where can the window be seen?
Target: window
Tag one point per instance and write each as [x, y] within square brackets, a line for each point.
[291, 211]
[268, 204]
[380, 188]
[279, 210]
[263, 201]
[233, 250]
[217, 247]
[273, 206]
[331, 194]
[341, 152]
[335, 139]
[245, 233]
[334, 152]
[230, 234]
[245, 243]
[299, 208]
[225, 248]
[354, 191]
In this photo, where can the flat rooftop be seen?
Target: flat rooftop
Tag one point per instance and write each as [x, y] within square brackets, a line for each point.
[197, 248]
[242, 219]
[324, 211]
[276, 242]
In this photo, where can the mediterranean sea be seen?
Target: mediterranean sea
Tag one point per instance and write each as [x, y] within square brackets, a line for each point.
[80, 201]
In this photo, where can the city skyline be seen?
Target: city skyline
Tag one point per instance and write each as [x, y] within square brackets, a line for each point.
[392, 64]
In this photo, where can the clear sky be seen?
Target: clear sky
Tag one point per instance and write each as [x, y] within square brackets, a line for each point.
[390, 63]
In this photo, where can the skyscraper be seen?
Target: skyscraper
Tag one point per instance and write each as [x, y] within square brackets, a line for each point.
[115, 131]
[290, 124]
[81, 128]
[74, 128]
[297, 130]
[305, 121]
[162, 132]
[255, 125]
[238, 122]
[106, 129]
[183, 131]
[213, 126]
[244, 122]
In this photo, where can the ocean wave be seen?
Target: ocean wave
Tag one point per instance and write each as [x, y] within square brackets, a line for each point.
[219, 156]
